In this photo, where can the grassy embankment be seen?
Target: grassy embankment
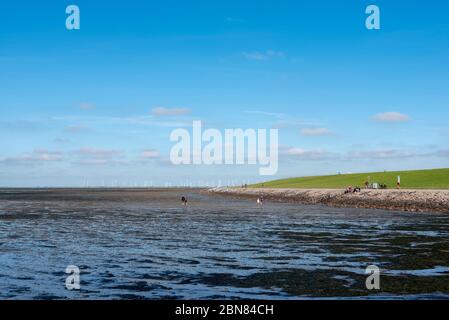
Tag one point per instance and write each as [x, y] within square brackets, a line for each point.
[417, 179]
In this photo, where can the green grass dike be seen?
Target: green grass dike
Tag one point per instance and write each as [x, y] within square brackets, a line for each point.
[416, 179]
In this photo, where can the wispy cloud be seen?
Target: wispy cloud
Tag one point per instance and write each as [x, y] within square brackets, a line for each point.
[95, 153]
[315, 132]
[144, 120]
[303, 154]
[443, 153]
[77, 128]
[93, 162]
[391, 117]
[62, 140]
[96, 156]
[284, 120]
[262, 56]
[383, 154]
[161, 111]
[269, 114]
[21, 125]
[297, 153]
[37, 156]
[149, 154]
[294, 123]
[86, 106]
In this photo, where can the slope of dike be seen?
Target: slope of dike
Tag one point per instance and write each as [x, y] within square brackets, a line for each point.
[400, 200]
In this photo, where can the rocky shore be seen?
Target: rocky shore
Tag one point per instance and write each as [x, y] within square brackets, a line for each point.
[400, 200]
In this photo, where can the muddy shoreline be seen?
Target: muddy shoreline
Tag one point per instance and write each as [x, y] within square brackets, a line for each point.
[395, 200]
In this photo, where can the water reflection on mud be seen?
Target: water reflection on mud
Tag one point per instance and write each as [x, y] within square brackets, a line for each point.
[133, 244]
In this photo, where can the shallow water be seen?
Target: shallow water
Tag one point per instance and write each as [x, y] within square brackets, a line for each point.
[133, 244]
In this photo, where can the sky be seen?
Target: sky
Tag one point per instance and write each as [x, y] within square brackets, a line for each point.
[96, 106]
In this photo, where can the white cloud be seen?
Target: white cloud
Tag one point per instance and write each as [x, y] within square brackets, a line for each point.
[46, 155]
[260, 56]
[295, 151]
[37, 156]
[391, 117]
[161, 111]
[313, 132]
[149, 154]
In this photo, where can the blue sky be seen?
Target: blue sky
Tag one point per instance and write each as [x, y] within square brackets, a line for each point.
[97, 105]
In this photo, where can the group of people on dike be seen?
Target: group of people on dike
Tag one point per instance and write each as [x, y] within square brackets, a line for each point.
[350, 189]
